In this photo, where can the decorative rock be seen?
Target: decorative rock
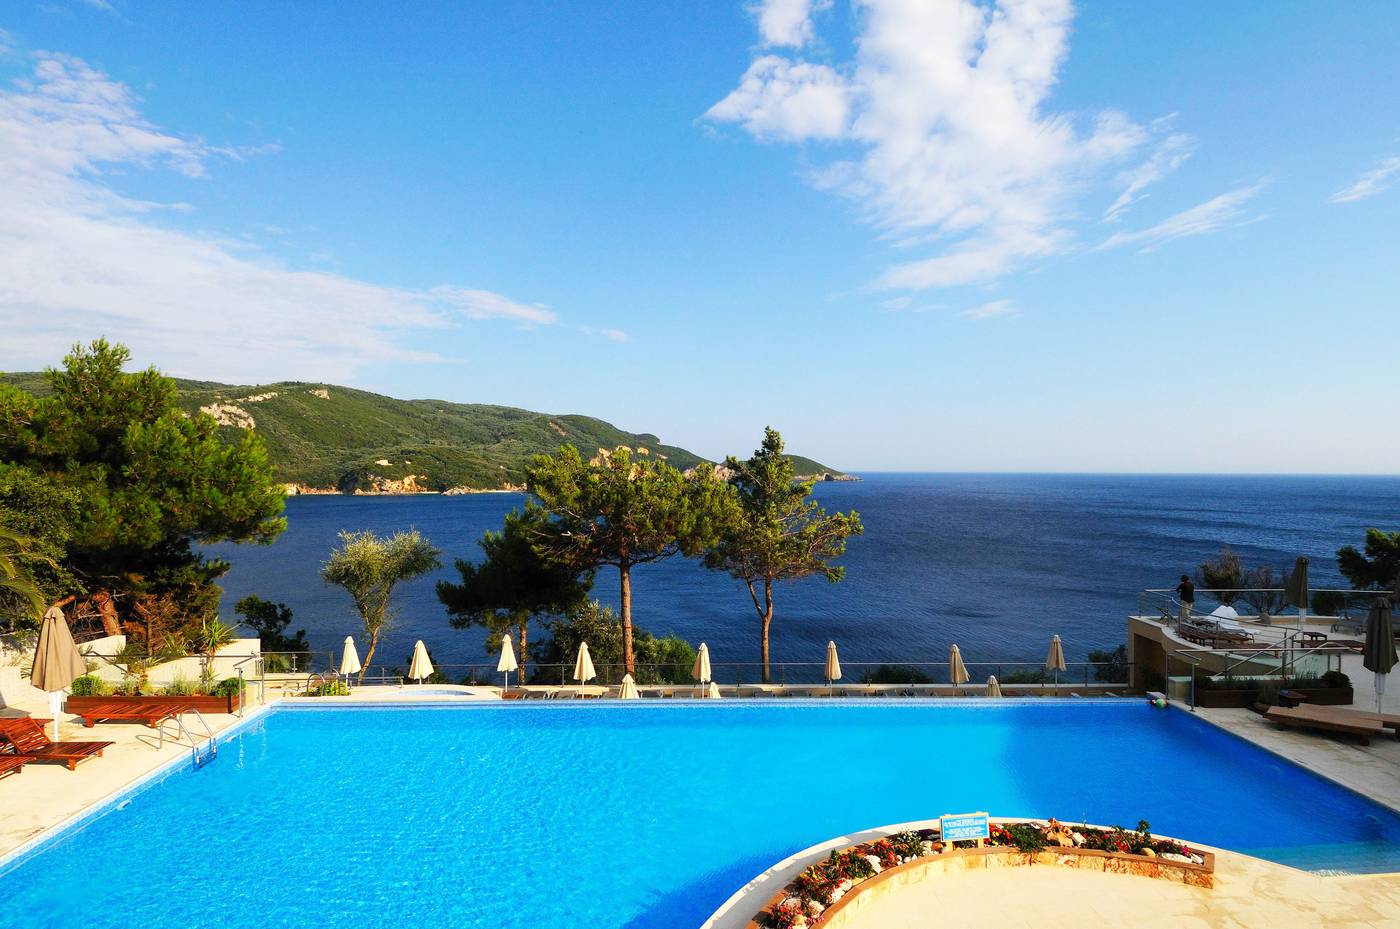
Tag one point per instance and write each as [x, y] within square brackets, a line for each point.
[874, 862]
[1078, 838]
[926, 847]
[1149, 853]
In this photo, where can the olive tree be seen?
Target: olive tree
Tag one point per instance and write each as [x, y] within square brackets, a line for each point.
[369, 567]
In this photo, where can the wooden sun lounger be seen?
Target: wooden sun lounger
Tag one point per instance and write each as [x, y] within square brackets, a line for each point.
[12, 764]
[29, 742]
[1306, 717]
[148, 712]
[1345, 714]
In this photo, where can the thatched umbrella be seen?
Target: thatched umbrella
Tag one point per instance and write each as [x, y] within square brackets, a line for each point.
[57, 662]
[1296, 591]
[1379, 655]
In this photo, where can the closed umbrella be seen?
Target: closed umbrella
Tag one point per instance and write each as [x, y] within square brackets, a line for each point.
[1379, 656]
[701, 670]
[57, 662]
[993, 687]
[833, 667]
[1055, 660]
[349, 660]
[507, 663]
[957, 671]
[1296, 592]
[583, 665]
[628, 690]
[713, 691]
[421, 667]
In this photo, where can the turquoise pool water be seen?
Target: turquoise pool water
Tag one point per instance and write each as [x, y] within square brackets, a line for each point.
[613, 816]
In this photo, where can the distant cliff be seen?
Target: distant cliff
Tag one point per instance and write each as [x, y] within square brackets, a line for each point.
[327, 439]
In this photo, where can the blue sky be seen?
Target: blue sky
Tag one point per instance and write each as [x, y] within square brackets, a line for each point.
[911, 234]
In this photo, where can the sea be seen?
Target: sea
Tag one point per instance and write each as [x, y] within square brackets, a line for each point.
[996, 563]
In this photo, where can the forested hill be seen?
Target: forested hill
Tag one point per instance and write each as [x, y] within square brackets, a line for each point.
[325, 437]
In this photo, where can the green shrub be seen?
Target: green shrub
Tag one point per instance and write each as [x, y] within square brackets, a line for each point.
[908, 844]
[90, 686]
[1025, 837]
[896, 674]
[228, 687]
[180, 687]
[330, 689]
[1336, 679]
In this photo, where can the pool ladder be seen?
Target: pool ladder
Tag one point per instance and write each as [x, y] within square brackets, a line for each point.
[182, 733]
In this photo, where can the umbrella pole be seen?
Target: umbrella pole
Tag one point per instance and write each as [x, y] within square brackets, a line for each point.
[55, 707]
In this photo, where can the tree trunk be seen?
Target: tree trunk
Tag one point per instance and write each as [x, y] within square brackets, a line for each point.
[624, 573]
[524, 637]
[108, 611]
[767, 622]
[369, 655]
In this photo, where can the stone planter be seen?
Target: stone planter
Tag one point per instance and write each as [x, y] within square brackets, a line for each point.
[1216, 698]
[953, 860]
[201, 702]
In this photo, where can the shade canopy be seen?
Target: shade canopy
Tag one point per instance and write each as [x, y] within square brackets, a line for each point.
[57, 662]
[583, 665]
[628, 690]
[1055, 658]
[507, 662]
[993, 686]
[1225, 611]
[1296, 591]
[957, 671]
[422, 666]
[1378, 654]
[701, 669]
[349, 658]
[833, 663]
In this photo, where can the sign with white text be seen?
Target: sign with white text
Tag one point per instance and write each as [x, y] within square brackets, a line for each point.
[964, 827]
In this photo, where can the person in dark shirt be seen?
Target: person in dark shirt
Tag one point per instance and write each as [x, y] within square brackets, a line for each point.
[1186, 593]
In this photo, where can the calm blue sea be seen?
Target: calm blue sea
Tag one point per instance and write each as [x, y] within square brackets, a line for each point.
[995, 563]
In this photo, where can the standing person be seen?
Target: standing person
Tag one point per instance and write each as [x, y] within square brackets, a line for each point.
[1186, 593]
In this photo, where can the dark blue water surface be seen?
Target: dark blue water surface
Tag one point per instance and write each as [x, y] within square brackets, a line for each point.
[639, 816]
[995, 563]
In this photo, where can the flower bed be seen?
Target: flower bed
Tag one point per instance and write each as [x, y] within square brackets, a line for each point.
[812, 898]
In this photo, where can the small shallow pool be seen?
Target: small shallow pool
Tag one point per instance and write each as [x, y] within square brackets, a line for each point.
[613, 816]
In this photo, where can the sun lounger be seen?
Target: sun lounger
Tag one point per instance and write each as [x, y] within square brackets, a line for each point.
[149, 712]
[1308, 717]
[1347, 714]
[12, 764]
[29, 742]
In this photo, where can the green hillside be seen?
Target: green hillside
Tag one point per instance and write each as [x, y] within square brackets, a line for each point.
[323, 436]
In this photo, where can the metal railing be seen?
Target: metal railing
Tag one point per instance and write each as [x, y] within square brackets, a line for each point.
[1267, 603]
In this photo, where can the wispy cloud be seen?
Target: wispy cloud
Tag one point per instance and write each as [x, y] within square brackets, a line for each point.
[78, 259]
[1216, 213]
[1370, 183]
[945, 106]
[612, 335]
[996, 309]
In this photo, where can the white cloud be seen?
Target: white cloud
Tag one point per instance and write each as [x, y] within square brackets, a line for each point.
[787, 101]
[1369, 183]
[944, 102]
[612, 335]
[78, 259]
[997, 309]
[1166, 158]
[1216, 213]
[786, 22]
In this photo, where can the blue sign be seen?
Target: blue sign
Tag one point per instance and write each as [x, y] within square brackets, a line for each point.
[963, 827]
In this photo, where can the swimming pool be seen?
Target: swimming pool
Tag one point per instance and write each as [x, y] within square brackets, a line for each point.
[617, 816]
